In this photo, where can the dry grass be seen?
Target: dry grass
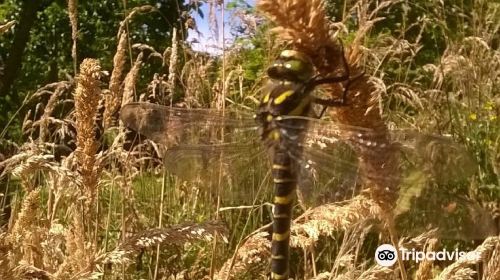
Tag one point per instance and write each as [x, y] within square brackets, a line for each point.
[178, 235]
[113, 99]
[461, 269]
[94, 212]
[130, 80]
[172, 65]
[73, 19]
[87, 96]
[6, 26]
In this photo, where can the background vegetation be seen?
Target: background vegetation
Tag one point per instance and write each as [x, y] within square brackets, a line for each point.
[80, 200]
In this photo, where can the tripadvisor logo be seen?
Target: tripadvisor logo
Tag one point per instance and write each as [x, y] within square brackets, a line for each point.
[387, 255]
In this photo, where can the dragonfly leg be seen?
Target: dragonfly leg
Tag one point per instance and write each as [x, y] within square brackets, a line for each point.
[345, 77]
[338, 102]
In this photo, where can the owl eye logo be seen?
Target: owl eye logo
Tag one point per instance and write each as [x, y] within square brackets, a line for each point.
[386, 255]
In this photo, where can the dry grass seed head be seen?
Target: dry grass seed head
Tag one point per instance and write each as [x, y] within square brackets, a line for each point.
[87, 96]
[172, 66]
[79, 252]
[10, 164]
[113, 99]
[49, 109]
[302, 23]
[25, 234]
[425, 268]
[378, 272]
[492, 267]
[249, 260]
[327, 219]
[26, 271]
[461, 268]
[6, 26]
[348, 250]
[26, 217]
[175, 235]
[322, 276]
[73, 18]
[131, 79]
[53, 247]
[5, 270]
[136, 10]
[194, 77]
[27, 169]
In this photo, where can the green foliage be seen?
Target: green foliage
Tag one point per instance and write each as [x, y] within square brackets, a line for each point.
[460, 101]
[48, 54]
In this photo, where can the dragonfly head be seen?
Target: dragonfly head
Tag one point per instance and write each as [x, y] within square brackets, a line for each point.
[293, 66]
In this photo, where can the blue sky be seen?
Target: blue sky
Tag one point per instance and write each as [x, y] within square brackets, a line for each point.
[207, 37]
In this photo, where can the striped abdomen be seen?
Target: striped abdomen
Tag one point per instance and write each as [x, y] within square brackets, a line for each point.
[288, 94]
[285, 180]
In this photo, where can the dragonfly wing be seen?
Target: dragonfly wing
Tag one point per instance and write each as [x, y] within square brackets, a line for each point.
[444, 160]
[205, 161]
[212, 149]
[454, 215]
[327, 157]
[222, 169]
[327, 175]
[179, 126]
[430, 172]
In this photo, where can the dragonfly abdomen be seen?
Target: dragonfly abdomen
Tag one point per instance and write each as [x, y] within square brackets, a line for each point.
[285, 181]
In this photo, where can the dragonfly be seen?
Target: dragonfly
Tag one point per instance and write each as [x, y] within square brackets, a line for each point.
[286, 135]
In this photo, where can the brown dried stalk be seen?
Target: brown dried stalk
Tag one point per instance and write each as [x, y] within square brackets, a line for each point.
[174, 235]
[424, 270]
[461, 268]
[172, 66]
[250, 259]
[6, 26]
[130, 80]
[87, 95]
[113, 99]
[327, 219]
[133, 12]
[73, 18]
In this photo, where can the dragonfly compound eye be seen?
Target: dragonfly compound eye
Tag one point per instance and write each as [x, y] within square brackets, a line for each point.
[292, 66]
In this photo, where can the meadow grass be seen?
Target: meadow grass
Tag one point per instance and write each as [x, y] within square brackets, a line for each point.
[108, 209]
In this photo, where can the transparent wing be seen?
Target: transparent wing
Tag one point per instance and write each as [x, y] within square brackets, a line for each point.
[431, 174]
[179, 126]
[195, 138]
[442, 159]
[223, 149]
[217, 151]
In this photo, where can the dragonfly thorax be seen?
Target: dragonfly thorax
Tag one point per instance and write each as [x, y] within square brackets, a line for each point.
[287, 94]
